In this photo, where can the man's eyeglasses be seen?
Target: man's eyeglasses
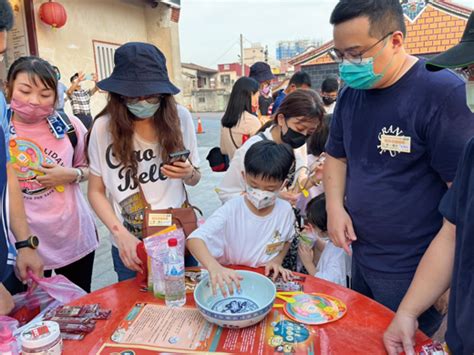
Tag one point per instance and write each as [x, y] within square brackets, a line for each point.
[353, 56]
[152, 99]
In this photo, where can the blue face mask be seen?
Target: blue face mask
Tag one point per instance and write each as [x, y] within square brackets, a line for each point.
[362, 76]
[359, 76]
[143, 109]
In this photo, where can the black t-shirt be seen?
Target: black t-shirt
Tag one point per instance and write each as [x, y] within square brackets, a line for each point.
[264, 103]
[402, 145]
[457, 206]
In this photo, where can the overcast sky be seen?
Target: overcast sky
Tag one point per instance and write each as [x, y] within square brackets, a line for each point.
[210, 29]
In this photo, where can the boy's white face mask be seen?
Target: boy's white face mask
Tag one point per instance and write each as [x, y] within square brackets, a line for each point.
[260, 199]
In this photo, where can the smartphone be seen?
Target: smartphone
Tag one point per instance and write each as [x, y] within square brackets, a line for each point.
[179, 156]
[89, 77]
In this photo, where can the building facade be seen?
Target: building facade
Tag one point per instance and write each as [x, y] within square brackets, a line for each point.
[290, 49]
[433, 26]
[201, 89]
[93, 31]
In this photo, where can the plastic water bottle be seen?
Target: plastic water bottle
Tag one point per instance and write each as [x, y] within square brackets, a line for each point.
[175, 289]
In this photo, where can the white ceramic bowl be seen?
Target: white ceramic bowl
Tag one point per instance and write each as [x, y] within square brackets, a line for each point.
[241, 310]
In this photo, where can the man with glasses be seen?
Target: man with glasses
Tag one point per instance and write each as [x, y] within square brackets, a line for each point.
[395, 140]
[448, 262]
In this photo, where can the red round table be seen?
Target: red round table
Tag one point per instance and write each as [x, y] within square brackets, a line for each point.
[358, 332]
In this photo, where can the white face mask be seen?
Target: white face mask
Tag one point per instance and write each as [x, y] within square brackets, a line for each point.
[260, 199]
[470, 94]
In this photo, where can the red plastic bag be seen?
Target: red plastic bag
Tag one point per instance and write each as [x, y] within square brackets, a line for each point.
[49, 293]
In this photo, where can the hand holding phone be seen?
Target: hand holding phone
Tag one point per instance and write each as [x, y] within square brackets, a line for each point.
[178, 156]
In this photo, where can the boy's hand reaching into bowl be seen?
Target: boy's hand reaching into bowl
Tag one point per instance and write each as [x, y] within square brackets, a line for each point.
[277, 269]
[224, 278]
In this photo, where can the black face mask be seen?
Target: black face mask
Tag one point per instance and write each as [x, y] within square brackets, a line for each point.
[293, 138]
[328, 100]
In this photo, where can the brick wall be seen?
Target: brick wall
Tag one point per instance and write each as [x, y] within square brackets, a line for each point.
[320, 72]
[433, 32]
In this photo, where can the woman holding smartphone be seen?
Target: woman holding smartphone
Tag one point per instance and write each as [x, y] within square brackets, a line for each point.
[130, 145]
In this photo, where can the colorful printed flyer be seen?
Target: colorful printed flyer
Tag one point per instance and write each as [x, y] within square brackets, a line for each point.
[150, 328]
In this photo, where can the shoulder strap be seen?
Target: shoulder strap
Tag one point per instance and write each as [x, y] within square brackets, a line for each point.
[263, 136]
[232, 138]
[71, 131]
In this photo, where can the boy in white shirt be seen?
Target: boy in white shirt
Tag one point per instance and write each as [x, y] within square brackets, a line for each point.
[254, 229]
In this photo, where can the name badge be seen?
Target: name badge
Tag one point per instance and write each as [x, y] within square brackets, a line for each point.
[274, 248]
[160, 220]
[57, 126]
[399, 144]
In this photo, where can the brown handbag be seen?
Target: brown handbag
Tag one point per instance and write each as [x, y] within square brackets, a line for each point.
[155, 221]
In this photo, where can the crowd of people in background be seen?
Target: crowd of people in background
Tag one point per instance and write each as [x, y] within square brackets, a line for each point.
[356, 182]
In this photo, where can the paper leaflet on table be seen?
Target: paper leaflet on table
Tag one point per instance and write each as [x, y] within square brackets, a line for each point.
[174, 329]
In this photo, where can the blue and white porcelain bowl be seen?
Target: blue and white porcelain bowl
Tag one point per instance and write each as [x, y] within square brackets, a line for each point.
[240, 310]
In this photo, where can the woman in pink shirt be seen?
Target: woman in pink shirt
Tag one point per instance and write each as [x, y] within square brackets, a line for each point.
[49, 165]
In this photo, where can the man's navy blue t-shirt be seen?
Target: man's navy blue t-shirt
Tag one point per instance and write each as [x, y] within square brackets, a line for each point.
[457, 207]
[402, 146]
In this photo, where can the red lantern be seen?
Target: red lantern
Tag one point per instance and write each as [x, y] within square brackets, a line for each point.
[53, 14]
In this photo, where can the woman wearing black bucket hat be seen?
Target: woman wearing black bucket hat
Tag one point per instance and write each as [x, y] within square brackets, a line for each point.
[129, 147]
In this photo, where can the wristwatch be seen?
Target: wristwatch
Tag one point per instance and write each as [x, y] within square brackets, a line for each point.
[32, 242]
[80, 175]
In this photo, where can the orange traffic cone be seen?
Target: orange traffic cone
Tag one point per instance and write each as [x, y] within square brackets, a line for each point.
[199, 129]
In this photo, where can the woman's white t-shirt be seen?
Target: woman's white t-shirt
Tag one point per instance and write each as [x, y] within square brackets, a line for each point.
[233, 183]
[121, 189]
[235, 235]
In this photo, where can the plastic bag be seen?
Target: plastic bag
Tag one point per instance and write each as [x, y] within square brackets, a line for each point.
[157, 249]
[334, 265]
[49, 293]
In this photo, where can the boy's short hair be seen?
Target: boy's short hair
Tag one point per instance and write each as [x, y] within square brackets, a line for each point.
[6, 16]
[330, 84]
[384, 16]
[299, 79]
[74, 77]
[316, 213]
[269, 160]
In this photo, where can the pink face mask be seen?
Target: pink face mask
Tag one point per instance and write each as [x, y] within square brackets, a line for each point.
[31, 113]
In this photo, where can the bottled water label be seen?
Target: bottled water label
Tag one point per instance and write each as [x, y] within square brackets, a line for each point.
[174, 270]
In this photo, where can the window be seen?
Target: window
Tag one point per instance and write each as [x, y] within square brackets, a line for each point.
[202, 100]
[226, 66]
[225, 79]
[104, 58]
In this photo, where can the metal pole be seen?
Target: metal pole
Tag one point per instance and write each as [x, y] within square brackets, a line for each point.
[242, 64]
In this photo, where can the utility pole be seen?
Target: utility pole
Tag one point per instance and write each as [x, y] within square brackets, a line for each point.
[242, 64]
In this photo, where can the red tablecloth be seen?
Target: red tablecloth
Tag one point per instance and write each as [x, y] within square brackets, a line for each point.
[358, 332]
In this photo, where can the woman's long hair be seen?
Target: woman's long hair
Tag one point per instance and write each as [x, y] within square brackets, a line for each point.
[166, 122]
[240, 100]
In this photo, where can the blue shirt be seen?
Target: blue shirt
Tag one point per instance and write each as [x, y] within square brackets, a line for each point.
[281, 96]
[457, 206]
[393, 197]
[7, 251]
[61, 94]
